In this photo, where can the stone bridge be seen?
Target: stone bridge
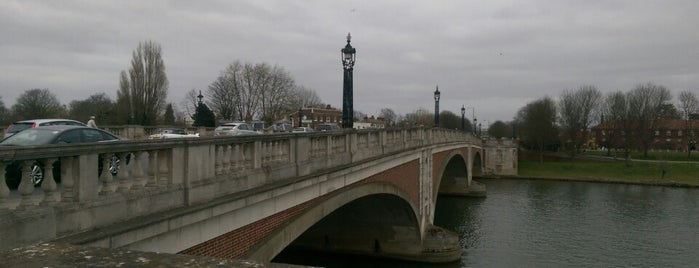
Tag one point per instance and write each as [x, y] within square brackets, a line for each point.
[363, 192]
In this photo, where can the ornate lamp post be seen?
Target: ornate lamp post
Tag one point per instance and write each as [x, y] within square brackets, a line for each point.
[348, 57]
[436, 106]
[463, 114]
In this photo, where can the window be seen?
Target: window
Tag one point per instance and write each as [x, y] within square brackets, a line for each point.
[71, 136]
[679, 133]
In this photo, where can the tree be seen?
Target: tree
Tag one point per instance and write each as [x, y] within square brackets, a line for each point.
[223, 91]
[689, 105]
[169, 116]
[577, 111]
[38, 103]
[99, 105]
[615, 125]
[189, 103]
[4, 116]
[419, 118]
[499, 129]
[646, 103]
[449, 120]
[303, 97]
[204, 117]
[144, 89]
[389, 116]
[537, 124]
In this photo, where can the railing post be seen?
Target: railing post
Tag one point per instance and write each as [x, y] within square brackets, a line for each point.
[4, 190]
[257, 155]
[49, 184]
[26, 186]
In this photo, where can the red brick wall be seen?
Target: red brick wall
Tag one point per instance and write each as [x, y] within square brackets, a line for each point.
[237, 243]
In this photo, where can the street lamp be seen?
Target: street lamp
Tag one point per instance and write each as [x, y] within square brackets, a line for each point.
[348, 57]
[436, 106]
[463, 121]
[475, 124]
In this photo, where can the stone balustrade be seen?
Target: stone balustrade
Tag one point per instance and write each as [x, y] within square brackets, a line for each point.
[108, 182]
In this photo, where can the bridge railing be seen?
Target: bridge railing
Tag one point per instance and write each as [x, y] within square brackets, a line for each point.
[115, 181]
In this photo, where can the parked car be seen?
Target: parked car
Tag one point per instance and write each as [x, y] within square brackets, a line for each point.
[302, 130]
[25, 124]
[235, 129]
[172, 133]
[327, 127]
[56, 134]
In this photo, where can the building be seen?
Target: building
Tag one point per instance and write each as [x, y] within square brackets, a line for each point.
[312, 117]
[668, 134]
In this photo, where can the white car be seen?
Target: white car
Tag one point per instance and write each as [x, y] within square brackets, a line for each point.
[172, 133]
[235, 129]
[25, 124]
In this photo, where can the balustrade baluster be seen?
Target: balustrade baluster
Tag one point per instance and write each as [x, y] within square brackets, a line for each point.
[4, 190]
[163, 170]
[218, 155]
[137, 171]
[152, 169]
[226, 165]
[49, 184]
[26, 186]
[106, 176]
[123, 174]
[67, 180]
[235, 158]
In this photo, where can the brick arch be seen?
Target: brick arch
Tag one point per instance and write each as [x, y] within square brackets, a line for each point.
[477, 163]
[272, 244]
[442, 161]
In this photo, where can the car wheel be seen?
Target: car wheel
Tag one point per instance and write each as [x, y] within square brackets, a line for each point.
[114, 165]
[36, 174]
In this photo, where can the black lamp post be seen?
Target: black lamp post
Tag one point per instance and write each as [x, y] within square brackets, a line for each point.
[475, 125]
[348, 56]
[463, 114]
[436, 106]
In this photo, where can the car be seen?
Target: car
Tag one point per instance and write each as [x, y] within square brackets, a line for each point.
[235, 129]
[302, 129]
[328, 127]
[48, 135]
[24, 124]
[172, 133]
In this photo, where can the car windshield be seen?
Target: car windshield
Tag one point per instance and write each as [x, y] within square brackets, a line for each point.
[17, 127]
[31, 137]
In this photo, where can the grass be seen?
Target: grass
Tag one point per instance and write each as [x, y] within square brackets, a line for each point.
[652, 155]
[637, 172]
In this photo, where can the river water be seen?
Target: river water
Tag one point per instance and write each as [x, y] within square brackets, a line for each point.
[538, 223]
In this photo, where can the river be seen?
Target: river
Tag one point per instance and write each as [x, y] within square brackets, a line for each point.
[539, 223]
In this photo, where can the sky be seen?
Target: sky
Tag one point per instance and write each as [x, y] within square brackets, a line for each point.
[493, 57]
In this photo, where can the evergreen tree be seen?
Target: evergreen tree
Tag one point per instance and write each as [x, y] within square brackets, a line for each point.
[204, 117]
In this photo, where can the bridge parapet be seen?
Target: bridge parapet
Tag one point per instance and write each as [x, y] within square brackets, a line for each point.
[157, 176]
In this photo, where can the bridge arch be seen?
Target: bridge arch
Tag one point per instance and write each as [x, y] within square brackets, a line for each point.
[366, 219]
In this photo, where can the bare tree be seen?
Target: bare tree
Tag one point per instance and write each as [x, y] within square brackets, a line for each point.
[222, 93]
[577, 111]
[389, 116]
[189, 103]
[303, 97]
[645, 106]
[4, 116]
[38, 103]
[419, 118]
[537, 124]
[145, 85]
[689, 105]
[615, 124]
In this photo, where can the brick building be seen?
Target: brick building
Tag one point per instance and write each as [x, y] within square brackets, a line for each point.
[668, 134]
[312, 117]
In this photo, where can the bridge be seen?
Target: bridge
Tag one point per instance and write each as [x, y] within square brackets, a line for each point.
[364, 192]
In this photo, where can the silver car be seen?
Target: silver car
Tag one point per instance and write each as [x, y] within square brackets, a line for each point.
[25, 124]
[235, 129]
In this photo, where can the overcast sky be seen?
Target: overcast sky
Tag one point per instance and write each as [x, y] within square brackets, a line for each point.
[492, 55]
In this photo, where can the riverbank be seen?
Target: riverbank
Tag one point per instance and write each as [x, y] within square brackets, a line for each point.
[642, 173]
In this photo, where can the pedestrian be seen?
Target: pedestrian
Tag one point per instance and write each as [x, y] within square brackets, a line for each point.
[91, 122]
